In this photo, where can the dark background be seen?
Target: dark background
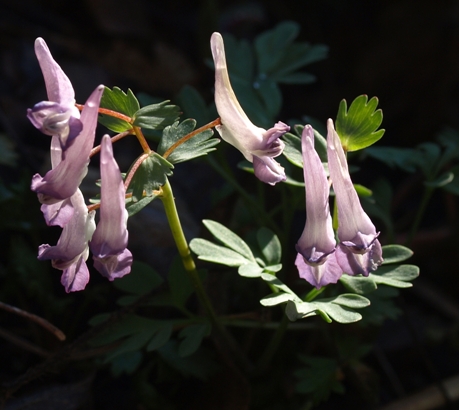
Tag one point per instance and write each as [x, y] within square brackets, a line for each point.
[405, 52]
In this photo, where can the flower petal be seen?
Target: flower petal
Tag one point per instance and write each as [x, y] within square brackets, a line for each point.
[62, 181]
[256, 144]
[359, 249]
[58, 85]
[76, 276]
[109, 242]
[321, 274]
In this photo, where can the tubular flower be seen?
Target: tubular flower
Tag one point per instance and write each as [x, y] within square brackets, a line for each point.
[109, 242]
[57, 117]
[359, 251]
[258, 145]
[71, 251]
[316, 259]
[63, 180]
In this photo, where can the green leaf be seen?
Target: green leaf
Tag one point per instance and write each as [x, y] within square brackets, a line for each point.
[397, 276]
[198, 145]
[358, 284]
[276, 282]
[133, 343]
[134, 207]
[162, 335]
[295, 56]
[250, 270]
[118, 101]
[362, 191]
[403, 158]
[156, 116]
[229, 238]
[292, 150]
[127, 326]
[142, 279]
[382, 306]
[395, 253]
[271, 44]
[441, 181]
[349, 300]
[453, 186]
[269, 245]
[150, 175]
[273, 268]
[193, 105]
[192, 338]
[277, 298]
[127, 362]
[319, 378]
[357, 127]
[208, 251]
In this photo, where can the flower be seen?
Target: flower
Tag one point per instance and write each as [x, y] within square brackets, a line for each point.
[258, 145]
[71, 251]
[316, 259]
[359, 251]
[63, 180]
[109, 242]
[58, 116]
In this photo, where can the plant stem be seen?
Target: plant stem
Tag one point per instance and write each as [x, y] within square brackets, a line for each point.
[167, 197]
[143, 142]
[428, 191]
[312, 294]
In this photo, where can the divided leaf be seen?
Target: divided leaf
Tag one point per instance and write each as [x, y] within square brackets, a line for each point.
[118, 101]
[357, 126]
[199, 145]
[150, 175]
[156, 116]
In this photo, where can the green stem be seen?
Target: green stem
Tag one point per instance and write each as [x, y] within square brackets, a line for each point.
[312, 294]
[167, 198]
[428, 191]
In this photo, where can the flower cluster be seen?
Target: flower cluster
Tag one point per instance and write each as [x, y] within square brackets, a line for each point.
[62, 201]
[320, 260]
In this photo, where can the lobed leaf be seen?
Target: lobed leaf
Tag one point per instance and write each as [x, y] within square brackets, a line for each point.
[357, 126]
[156, 116]
[151, 174]
[199, 145]
[210, 252]
[229, 238]
[118, 101]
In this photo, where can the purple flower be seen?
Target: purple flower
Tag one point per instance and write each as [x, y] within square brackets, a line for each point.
[258, 145]
[57, 117]
[359, 251]
[63, 180]
[71, 251]
[109, 242]
[316, 259]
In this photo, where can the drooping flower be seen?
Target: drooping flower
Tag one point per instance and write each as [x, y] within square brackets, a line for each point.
[71, 251]
[359, 250]
[63, 180]
[258, 145]
[316, 259]
[57, 117]
[109, 242]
